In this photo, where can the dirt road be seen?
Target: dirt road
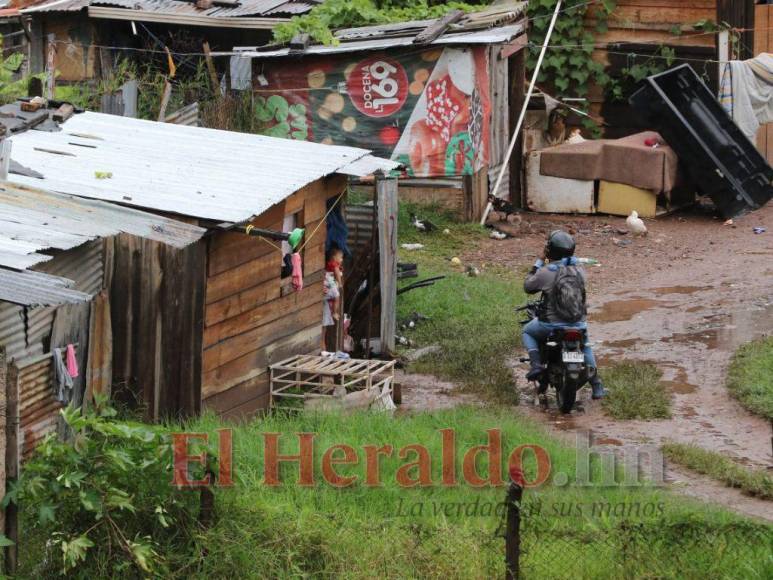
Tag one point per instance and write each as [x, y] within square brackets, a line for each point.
[684, 297]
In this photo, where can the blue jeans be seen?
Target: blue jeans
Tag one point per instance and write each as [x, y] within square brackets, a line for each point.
[536, 332]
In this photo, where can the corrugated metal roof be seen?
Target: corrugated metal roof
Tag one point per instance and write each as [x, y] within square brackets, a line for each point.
[37, 289]
[489, 36]
[182, 7]
[205, 173]
[32, 220]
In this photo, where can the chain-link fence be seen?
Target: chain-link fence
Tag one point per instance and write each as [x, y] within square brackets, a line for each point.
[538, 546]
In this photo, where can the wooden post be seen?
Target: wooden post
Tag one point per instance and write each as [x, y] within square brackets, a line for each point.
[51, 66]
[211, 69]
[371, 272]
[386, 190]
[12, 465]
[5, 157]
[164, 101]
[513, 531]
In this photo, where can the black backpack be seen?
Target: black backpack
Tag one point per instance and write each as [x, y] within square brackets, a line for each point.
[568, 294]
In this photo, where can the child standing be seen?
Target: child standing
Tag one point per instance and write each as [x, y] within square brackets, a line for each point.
[332, 287]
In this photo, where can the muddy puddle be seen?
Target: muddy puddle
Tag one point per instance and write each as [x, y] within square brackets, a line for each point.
[620, 310]
[728, 331]
[429, 393]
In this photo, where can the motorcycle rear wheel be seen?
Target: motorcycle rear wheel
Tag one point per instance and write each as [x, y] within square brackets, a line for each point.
[566, 395]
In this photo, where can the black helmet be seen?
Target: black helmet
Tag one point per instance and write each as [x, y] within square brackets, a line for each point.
[560, 245]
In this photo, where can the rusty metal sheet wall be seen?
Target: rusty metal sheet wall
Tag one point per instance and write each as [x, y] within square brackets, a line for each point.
[27, 334]
[359, 218]
[38, 409]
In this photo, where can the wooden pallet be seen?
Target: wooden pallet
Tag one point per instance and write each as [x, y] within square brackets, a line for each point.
[330, 381]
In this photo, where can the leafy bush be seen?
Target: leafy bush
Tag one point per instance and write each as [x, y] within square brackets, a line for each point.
[105, 500]
[326, 17]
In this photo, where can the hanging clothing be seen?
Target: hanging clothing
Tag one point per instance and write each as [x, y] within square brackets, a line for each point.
[337, 230]
[746, 93]
[72, 362]
[297, 272]
[62, 378]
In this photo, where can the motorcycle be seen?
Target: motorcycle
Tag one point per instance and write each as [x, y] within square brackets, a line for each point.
[564, 359]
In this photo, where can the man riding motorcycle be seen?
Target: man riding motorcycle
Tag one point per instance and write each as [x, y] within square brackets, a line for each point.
[563, 269]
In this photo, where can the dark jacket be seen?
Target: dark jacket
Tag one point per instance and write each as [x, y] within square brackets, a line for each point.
[541, 279]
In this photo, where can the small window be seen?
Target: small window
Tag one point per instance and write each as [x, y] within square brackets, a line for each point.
[289, 224]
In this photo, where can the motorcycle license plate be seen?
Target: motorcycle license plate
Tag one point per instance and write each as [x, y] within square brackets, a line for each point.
[573, 357]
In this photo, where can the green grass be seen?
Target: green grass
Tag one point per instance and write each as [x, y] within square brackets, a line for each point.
[358, 532]
[750, 377]
[755, 482]
[635, 392]
[472, 318]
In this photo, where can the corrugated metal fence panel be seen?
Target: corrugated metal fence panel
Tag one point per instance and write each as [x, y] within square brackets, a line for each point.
[188, 115]
[38, 409]
[24, 338]
[500, 122]
[359, 218]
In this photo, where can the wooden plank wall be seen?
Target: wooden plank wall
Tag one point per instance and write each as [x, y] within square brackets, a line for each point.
[157, 317]
[253, 318]
[763, 42]
[649, 23]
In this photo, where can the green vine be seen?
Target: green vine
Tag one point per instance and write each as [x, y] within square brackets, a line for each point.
[320, 22]
[568, 68]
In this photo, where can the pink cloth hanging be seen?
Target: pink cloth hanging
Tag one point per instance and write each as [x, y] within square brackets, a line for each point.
[297, 271]
[72, 362]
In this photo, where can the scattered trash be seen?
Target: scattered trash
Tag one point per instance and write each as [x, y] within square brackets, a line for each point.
[622, 231]
[728, 222]
[446, 231]
[403, 340]
[589, 261]
[419, 284]
[103, 174]
[759, 230]
[497, 235]
[407, 270]
[456, 261]
[472, 271]
[635, 224]
[622, 243]
[414, 355]
[411, 247]
[652, 142]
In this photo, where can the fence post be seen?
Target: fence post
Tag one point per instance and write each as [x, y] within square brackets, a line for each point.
[386, 190]
[12, 465]
[513, 531]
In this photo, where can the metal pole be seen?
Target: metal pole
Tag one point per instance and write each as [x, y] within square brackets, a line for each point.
[523, 110]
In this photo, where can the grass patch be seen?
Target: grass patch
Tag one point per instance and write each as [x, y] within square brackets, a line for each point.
[473, 319]
[750, 377]
[570, 529]
[755, 482]
[635, 392]
[392, 532]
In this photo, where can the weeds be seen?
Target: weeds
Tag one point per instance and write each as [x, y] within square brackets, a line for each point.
[750, 377]
[635, 392]
[755, 482]
[472, 318]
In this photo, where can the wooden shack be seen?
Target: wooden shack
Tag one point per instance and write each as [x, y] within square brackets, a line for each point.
[440, 96]
[197, 327]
